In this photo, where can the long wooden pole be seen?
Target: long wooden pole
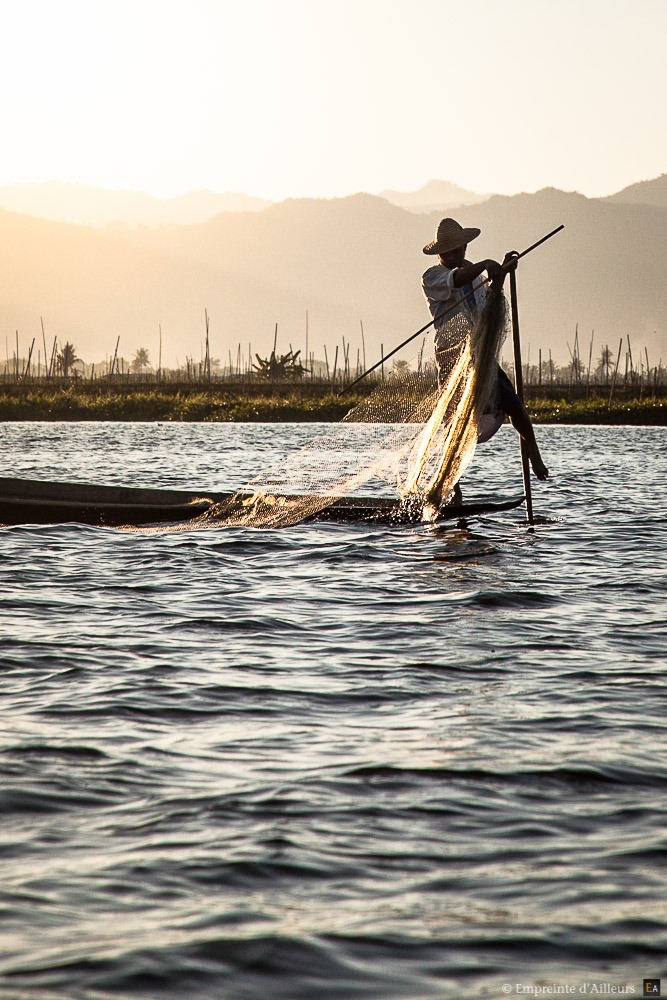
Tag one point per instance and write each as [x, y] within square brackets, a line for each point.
[518, 381]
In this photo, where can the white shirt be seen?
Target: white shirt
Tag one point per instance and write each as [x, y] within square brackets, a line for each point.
[441, 293]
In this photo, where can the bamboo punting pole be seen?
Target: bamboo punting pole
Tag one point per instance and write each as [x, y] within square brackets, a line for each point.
[326, 359]
[525, 464]
[363, 342]
[306, 337]
[333, 377]
[275, 340]
[159, 357]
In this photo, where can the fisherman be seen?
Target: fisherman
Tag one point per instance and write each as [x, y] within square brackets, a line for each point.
[456, 278]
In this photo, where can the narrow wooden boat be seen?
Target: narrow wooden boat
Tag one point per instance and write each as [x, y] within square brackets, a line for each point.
[32, 501]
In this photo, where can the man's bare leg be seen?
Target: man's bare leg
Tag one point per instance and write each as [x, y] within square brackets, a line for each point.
[521, 422]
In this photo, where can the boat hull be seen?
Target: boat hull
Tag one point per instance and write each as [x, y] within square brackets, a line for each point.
[30, 501]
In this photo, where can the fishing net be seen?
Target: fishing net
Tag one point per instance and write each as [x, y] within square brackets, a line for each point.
[412, 437]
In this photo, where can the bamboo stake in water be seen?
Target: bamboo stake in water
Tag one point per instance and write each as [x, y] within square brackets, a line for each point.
[613, 381]
[26, 370]
[590, 361]
[52, 362]
[539, 374]
[207, 356]
[115, 355]
[44, 339]
[525, 465]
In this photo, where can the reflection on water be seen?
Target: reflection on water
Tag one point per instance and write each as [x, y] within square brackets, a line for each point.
[334, 760]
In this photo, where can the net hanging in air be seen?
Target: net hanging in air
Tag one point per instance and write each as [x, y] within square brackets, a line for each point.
[415, 434]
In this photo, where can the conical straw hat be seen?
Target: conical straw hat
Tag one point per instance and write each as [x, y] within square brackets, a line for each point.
[449, 236]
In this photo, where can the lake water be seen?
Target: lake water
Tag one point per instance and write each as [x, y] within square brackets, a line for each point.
[334, 761]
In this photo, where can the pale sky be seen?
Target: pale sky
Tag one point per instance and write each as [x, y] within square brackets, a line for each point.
[292, 98]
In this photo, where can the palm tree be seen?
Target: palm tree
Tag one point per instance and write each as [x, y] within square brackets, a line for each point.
[140, 360]
[67, 358]
[605, 363]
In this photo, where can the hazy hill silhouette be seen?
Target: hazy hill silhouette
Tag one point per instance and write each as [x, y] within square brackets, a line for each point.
[652, 192]
[434, 196]
[86, 205]
[342, 259]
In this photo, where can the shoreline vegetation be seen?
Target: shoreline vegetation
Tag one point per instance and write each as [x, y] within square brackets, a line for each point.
[271, 402]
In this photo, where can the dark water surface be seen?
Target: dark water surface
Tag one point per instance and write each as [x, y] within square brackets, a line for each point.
[334, 761]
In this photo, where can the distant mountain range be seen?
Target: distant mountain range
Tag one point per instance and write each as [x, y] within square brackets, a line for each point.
[99, 207]
[93, 206]
[435, 196]
[343, 260]
[644, 193]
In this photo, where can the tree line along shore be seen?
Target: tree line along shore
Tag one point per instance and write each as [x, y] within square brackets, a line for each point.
[258, 402]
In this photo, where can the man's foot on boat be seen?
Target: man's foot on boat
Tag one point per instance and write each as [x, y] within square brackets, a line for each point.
[456, 498]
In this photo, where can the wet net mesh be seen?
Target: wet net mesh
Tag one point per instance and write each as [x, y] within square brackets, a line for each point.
[414, 434]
